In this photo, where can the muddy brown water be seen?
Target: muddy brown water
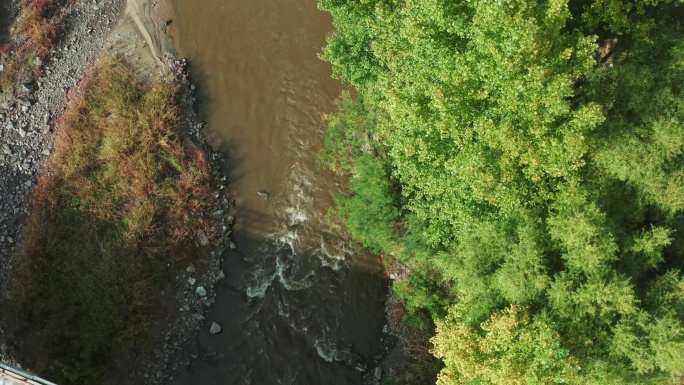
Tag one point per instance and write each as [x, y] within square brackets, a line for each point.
[298, 306]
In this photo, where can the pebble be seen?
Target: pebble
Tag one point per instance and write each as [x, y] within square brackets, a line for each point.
[215, 328]
[192, 281]
[202, 238]
[378, 373]
[201, 291]
[221, 275]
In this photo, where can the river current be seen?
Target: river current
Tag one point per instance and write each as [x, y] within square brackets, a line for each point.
[299, 304]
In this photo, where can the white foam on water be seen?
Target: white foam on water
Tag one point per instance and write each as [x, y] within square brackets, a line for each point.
[327, 350]
[262, 282]
[284, 313]
[324, 351]
[259, 291]
[297, 215]
[334, 261]
[291, 284]
[288, 238]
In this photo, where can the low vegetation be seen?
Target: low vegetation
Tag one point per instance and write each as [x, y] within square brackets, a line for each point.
[524, 161]
[120, 205]
[34, 34]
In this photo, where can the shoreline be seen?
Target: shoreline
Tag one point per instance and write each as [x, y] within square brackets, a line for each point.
[119, 28]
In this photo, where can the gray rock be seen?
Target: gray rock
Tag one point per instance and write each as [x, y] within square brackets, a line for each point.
[202, 238]
[192, 281]
[215, 328]
[378, 373]
[385, 329]
[198, 317]
[221, 275]
[217, 214]
[231, 245]
[9, 125]
[201, 291]
[230, 220]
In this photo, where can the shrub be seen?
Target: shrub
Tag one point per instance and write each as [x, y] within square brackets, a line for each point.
[122, 199]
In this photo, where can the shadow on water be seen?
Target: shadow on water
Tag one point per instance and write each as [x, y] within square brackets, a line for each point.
[7, 14]
[290, 317]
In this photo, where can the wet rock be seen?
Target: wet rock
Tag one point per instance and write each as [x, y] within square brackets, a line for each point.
[231, 245]
[217, 214]
[264, 194]
[221, 275]
[377, 373]
[385, 329]
[27, 87]
[201, 291]
[192, 281]
[215, 328]
[198, 316]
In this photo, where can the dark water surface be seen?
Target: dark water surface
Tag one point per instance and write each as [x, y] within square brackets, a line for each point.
[299, 306]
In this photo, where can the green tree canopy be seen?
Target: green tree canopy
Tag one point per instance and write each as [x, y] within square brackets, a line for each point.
[531, 153]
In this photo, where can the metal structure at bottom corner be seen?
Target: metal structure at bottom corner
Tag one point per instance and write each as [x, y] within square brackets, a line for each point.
[12, 376]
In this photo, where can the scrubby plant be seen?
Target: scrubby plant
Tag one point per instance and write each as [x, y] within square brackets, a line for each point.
[35, 31]
[119, 206]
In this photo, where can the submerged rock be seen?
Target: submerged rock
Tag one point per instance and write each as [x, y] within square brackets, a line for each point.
[215, 328]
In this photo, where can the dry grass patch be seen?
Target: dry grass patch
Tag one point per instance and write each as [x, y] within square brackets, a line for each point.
[123, 198]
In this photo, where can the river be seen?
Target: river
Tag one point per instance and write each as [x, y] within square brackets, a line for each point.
[299, 306]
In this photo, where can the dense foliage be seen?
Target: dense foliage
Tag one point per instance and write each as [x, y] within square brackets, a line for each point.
[531, 154]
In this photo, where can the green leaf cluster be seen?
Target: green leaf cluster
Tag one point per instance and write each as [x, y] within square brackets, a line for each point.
[531, 154]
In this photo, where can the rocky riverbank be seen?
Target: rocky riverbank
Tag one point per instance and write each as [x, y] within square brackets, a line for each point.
[26, 123]
[26, 135]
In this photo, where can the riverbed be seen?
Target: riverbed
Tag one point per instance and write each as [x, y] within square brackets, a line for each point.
[299, 305]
